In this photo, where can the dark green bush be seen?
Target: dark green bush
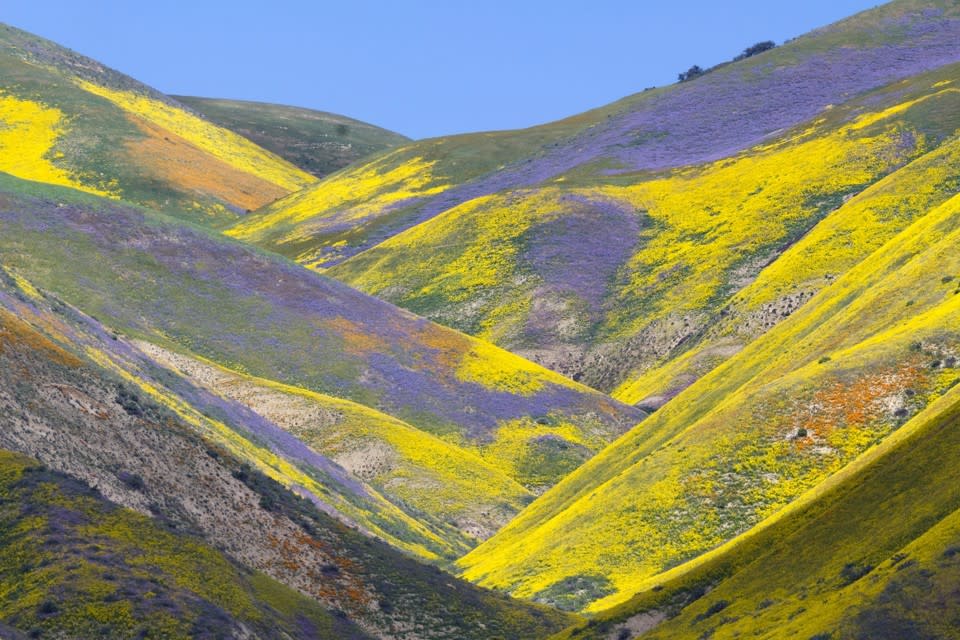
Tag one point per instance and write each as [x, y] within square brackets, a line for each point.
[693, 72]
[754, 49]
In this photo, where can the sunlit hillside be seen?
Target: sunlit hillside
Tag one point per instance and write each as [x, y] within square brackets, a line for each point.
[867, 353]
[605, 245]
[71, 121]
[313, 340]
[683, 366]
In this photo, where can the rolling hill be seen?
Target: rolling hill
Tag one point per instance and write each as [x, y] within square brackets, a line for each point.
[604, 281]
[217, 532]
[320, 143]
[655, 252]
[807, 572]
[603, 245]
[686, 365]
[73, 122]
[837, 376]
[196, 293]
[254, 440]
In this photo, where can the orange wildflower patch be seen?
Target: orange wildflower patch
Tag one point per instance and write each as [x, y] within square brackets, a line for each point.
[858, 402]
[357, 340]
[16, 333]
[449, 347]
[175, 160]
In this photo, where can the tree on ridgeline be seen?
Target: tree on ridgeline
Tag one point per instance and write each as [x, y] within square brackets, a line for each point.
[693, 72]
[753, 50]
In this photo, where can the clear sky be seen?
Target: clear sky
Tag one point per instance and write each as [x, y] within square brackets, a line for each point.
[420, 67]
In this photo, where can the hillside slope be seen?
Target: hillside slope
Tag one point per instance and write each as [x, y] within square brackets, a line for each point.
[604, 246]
[845, 237]
[724, 112]
[317, 142]
[116, 574]
[807, 572]
[849, 367]
[186, 462]
[69, 120]
[199, 294]
[253, 440]
[431, 478]
[604, 279]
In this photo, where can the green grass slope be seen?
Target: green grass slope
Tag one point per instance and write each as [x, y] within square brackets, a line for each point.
[793, 407]
[69, 120]
[189, 461]
[317, 142]
[874, 553]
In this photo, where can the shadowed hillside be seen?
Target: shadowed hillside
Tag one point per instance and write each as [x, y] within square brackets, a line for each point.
[98, 571]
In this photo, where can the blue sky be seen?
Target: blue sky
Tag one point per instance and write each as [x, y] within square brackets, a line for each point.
[422, 68]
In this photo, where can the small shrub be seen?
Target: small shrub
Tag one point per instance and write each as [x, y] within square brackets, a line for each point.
[823, 360]
[693, 72]
[712, 610]
[132, 480]
[906, 564]
[574, 592]
[852, 572]
[268, 503]
[129, 401]
[754, 49]
[47, 608]
[624, 634]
